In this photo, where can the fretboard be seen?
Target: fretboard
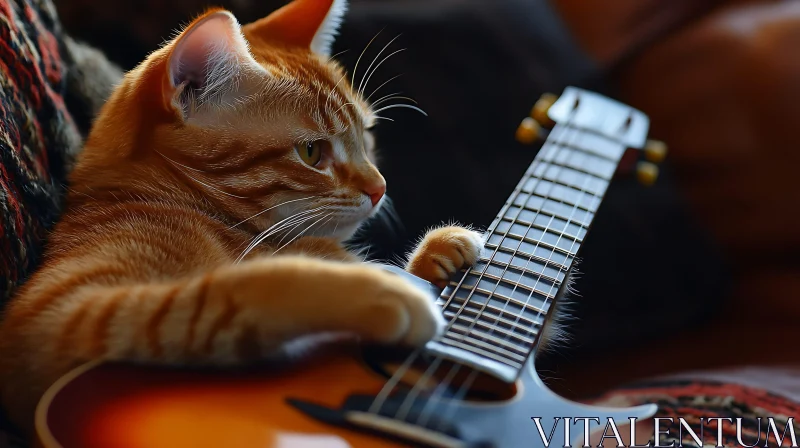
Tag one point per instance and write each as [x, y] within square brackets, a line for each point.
[496, 310]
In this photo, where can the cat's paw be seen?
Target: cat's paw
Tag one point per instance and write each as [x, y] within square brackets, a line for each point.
[443, 252]
[399, 313]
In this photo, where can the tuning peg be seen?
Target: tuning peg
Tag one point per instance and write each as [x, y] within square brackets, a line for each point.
[655, 151]
[647, 173]
[539, 111]
[528, 131]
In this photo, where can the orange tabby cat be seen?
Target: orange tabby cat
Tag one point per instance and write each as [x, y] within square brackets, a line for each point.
[223, 147]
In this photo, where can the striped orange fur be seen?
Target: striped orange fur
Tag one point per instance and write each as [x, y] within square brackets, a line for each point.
[221, 136]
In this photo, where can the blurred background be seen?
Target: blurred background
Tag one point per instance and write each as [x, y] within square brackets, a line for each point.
[699, 270]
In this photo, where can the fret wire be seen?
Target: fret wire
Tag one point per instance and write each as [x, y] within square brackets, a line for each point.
[575, 168]
[553, 285]
[381, 398]
[509, 250]
[598, 139]
[545, 296]
[521, 184]
[559, 235]
[518, 247]
[573, 188]
[550, 213]
[525, 182]
[486, 354]
[551, 199]
[593, 132]
[508, 325]
[532, 323]
[541, 227]
[529, 240]
[530, 175]
[562, 170]
[493, 227]
[508, 356]
[489, 305]
[521, 338]
[463, 388]
[523, 271]
[579, 160]
[590, 152]
[488, 337]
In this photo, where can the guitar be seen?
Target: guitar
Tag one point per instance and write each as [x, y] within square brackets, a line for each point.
[474, 386]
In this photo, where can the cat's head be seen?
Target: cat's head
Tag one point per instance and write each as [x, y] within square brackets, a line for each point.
[253, 116]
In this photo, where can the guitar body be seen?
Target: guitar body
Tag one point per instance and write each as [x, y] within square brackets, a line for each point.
[124, 406]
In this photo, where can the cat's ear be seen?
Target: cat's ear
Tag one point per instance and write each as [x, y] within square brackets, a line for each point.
[311, 24]
[208, 62]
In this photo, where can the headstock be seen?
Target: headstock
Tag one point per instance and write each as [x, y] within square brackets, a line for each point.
[596, 113]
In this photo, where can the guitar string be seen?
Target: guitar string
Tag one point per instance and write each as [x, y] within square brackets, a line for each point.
[564, 143]
[517, 192]
[547, 196]
[463, 389]
[575, 133]
[558, 146]
[381, 398]
[383, 395]
[561, 270]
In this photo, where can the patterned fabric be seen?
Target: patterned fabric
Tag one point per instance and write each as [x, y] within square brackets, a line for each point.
[698, 401]
[37, 134]
[37, 139]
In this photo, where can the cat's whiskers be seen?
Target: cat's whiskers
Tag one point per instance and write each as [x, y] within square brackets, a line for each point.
[394, 97]
[361, 92]
[289, 231]
[332, 91]
[355, 69]
[283, 224]
[330, 59]
[361, 84]
[273, 229]
[380, 86]
[271, 208]
[302, 232]
[324, 223]
[343, 106]
[384, 98]
[407, 106]
[289, 228]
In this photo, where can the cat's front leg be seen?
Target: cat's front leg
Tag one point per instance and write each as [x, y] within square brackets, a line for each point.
[289, 296]
[235, 314]
[443, 252]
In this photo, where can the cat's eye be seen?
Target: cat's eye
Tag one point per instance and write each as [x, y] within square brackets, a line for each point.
[311, 152]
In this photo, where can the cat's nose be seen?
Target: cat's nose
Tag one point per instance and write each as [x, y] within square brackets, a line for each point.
[375, 192]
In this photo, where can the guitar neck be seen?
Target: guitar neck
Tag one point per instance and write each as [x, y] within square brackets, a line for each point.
[497, 309]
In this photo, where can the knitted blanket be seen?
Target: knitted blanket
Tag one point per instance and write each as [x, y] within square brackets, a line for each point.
[37, 134]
